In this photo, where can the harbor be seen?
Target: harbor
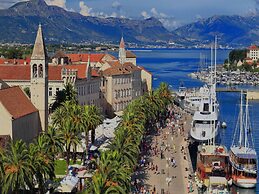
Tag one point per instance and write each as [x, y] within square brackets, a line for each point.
[228, 100]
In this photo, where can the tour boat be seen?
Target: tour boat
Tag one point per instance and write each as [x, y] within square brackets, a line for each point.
[211, 162]
[242, 155]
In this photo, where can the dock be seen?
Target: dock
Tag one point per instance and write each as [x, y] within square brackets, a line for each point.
[250, 94]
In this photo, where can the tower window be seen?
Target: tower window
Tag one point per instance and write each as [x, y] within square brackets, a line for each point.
[40, 70]
[50, 91]
[34, 70]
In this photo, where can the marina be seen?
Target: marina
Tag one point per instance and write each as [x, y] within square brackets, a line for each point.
[177, 73]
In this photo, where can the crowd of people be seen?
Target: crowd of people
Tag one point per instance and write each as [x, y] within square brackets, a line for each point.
[159, 145]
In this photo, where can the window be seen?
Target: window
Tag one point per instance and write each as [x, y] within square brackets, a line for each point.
[50, 91]
[40, 73]
[34, 71]
[57, 90]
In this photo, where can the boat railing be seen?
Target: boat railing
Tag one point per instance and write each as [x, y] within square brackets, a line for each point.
[250, 168]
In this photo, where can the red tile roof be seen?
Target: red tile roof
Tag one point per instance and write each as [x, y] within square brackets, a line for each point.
[126, 68]
[15, 61]
[16, 102]
[84, 57]
[130, 54]
[81, 70]
[23, 72]
[95, 73]
[253, 47]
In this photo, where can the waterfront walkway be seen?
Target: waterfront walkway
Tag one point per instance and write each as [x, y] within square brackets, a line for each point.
[166, 166]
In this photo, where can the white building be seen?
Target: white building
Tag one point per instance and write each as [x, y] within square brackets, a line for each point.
[253, 53]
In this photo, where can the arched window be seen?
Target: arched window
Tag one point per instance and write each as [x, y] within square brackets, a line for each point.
[34, 70]
[40, 73]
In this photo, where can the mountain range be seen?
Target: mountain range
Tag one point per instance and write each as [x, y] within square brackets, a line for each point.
[19, 24]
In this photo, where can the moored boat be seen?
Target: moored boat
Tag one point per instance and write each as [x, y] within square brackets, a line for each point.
[242, 155]
[211, 162]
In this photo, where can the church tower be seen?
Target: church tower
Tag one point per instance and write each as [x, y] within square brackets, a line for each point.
[39, 78]
[122, 52]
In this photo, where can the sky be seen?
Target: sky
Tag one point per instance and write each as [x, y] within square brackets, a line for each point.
[172, 13]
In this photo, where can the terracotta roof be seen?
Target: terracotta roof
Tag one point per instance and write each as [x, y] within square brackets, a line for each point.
[95, 73]
[81, 70]
[113, 63]
[253, 47]
[84, 57]
[130, 54]
[23, 72]
[16, 102]
[126, 68]
[14, 61]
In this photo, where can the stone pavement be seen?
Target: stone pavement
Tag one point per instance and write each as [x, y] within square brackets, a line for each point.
[172, 143]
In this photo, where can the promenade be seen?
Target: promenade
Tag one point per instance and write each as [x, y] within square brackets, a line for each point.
[165, 167]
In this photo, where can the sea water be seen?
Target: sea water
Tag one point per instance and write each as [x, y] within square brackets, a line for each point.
[173, 66]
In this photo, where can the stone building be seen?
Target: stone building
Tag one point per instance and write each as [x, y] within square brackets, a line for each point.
[19, 118]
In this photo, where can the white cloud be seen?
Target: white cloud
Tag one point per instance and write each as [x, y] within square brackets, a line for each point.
[59, 3]
[84, 9]
[169, 22]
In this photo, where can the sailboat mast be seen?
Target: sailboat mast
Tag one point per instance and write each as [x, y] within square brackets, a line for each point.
[215, 61]
[241, 119]
[246, 123]
[211, 64]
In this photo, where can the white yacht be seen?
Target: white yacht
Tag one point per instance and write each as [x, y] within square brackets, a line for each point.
[205, 123]
[190, 99]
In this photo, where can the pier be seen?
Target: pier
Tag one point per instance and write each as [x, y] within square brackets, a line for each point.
[250, 94]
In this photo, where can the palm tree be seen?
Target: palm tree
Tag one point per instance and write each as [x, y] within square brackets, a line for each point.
[69, 137]
[111, 176]
[165, 94]
[42, 161]
[99, 185]
[18, 170]
[92, 118]
[53, 138]
[126, 148]
[67, 94]
[96, 119]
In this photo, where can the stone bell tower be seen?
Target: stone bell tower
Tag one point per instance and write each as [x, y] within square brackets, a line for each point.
[39, 78]
[122, 52]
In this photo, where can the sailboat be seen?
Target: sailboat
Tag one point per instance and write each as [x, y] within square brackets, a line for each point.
[242, 155]
[205, 123]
